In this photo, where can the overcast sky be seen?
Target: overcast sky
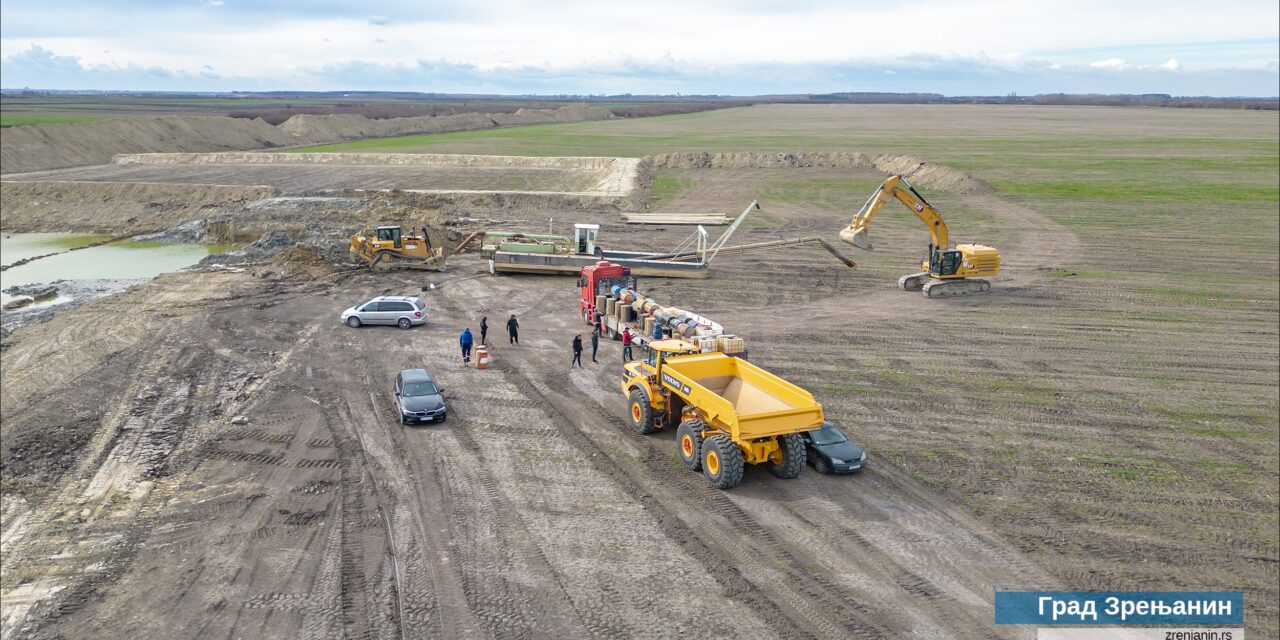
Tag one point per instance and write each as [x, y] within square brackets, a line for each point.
[741, 47]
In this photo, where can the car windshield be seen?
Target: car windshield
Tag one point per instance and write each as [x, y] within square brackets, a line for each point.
[827, 435]
[420, 389]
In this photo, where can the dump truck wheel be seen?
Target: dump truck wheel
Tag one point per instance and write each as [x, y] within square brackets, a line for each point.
[791, 448]
[722, 462]
[640, 413]
[689, 443]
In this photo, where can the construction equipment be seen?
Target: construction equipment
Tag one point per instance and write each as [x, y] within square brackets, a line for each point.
[389, 244]
[947, 271]
[727, 412]
[511, 252]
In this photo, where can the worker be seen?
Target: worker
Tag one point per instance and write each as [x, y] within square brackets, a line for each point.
[465, 341]
[513, 330]
[577, 351]
[626, 344]
[595, 343]
[484, 329]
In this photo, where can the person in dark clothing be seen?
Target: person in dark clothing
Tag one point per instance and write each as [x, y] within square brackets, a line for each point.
[577, 350]
[626, 345]
[484, 329]
[513, 330]
[465, 342]
[595, 344]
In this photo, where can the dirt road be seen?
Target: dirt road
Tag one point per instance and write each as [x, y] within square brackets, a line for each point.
[532, 512]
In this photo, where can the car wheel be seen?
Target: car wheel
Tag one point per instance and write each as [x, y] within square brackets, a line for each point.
[353, 322]
[443, 418]
[821, 465]
[404, 323]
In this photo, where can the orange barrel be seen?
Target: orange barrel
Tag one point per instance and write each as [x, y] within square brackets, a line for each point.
[482, 357]
[627, 297]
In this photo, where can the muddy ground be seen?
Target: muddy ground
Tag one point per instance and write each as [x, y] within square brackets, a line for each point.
[133, 506]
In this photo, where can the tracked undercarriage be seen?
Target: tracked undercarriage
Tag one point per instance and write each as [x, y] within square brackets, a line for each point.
[937, 288]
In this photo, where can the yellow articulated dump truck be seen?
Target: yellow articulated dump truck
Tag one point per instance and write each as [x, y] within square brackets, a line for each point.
[727, 412]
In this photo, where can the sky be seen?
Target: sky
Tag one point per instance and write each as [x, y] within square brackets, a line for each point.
[594, 47]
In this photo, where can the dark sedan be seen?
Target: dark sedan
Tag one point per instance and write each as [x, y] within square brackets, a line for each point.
[829, 451]
[418, 397]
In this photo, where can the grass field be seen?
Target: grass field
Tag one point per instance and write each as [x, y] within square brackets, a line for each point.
[1112, 407]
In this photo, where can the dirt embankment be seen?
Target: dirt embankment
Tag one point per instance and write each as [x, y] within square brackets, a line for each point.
[932, 176]
[117, 207]
[39, 147]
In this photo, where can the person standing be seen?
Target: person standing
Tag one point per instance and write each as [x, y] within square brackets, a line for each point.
[595, 344]
[513, 330]
[577, 351]
[626, 344]
[484, 329]
[465, 342]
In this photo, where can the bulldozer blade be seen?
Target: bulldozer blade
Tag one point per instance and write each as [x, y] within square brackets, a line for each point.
[857, 239]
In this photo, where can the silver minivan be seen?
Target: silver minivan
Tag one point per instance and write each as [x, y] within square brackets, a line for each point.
[402, 311]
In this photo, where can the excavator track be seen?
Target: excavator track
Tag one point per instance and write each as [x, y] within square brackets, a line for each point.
[913, 281]
[957, 287]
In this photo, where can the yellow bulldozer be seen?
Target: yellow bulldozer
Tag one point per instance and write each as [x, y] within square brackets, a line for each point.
[727, 412]
[390, 245]
[947, 271]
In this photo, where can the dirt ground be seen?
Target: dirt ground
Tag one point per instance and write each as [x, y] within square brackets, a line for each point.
[1029, 438]
[532, 512]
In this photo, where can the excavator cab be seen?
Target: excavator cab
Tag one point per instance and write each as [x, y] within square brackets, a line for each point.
[389, 234]
[945, 262]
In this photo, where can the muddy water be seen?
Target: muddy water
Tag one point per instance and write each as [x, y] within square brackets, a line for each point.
[123, 260]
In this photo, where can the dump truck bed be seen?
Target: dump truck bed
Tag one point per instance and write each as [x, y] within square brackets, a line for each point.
[740, 397]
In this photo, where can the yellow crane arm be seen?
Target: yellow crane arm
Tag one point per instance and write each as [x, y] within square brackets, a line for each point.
[895, 187]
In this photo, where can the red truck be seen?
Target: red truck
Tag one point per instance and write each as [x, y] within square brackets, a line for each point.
[597, 280]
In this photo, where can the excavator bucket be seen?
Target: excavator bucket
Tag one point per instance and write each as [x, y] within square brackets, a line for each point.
[856, 238]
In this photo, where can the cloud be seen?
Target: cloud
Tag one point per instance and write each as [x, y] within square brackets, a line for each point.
[40, 67]
[1110, 63]
[379, 21]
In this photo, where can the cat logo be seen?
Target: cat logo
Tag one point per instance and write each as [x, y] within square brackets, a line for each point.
[919, 207]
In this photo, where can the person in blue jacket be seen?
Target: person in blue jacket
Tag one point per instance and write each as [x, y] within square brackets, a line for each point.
[465, 342]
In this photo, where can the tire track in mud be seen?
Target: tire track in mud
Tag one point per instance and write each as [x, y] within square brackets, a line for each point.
[506, 611]
[789, 611]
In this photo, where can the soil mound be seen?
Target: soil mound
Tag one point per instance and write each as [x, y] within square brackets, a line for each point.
[53, 146]
[932, 176]
[117, 207]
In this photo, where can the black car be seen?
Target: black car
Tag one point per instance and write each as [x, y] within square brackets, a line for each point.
[418, 397]
[829, 451]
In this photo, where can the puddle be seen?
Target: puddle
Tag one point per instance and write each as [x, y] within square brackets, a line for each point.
[122, 260]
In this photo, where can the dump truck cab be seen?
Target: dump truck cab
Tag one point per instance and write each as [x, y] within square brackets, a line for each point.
[727, 411]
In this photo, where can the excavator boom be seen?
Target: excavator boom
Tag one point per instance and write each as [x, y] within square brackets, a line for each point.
[895, 187]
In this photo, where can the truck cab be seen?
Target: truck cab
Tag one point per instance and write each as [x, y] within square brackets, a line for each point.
[596, 280]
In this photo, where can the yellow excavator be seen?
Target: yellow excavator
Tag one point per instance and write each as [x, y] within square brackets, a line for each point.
[948, 271]
[390, 243]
